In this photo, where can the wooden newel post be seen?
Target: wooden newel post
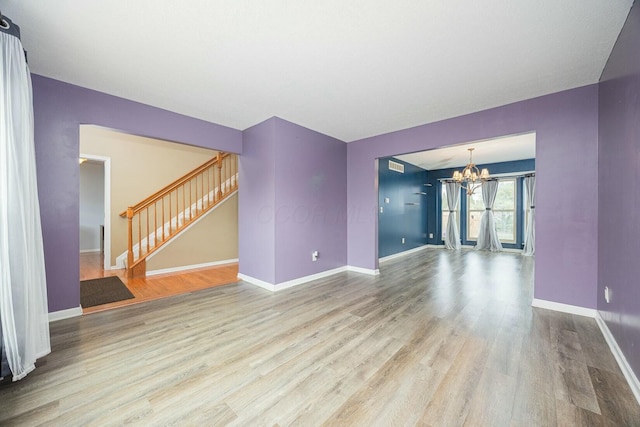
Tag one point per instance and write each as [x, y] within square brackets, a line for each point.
[219, 192]
[130, 237]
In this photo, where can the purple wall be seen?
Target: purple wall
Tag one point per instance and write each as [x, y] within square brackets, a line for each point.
[256, 223]
[307, 179]
[619, 190]
[566, 126]
[293, 202]
[59, 109]
[311, 201]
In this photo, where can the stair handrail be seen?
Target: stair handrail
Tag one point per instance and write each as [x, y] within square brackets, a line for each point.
[175, 184]
[213, 197]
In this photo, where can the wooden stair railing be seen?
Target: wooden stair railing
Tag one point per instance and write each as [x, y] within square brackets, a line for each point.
[161, 216]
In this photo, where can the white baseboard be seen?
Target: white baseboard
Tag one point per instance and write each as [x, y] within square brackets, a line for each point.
[257, 282]
[309, 278]
[628, 373]
[403, 253]
[295, 282]
[565, 308]
[290, 283]
[436, 246]
[87, 251]
[511, 250]
[362, 270]
[191, 267]
[65, 314]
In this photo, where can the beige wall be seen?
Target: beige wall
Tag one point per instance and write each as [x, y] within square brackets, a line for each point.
[213, 238]
[140, 167]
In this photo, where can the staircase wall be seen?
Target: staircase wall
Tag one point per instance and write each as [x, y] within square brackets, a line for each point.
[213, 238]
[139, 167]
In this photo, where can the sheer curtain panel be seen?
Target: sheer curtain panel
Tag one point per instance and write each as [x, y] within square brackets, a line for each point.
[488, 235]
[452, 236]
[529, 231]
[23, 292]
[4, 363]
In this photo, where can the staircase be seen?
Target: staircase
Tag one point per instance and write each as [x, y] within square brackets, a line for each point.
[162, 216]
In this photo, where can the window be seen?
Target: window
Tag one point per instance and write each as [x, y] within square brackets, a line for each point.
[475, 209]
[445, 211]
[504, 212]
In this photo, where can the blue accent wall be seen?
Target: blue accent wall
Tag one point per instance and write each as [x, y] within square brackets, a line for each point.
[416, 223]
[434, 202]
[405, 216]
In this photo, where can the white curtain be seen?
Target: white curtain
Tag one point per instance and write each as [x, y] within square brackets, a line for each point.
[23, 294]
[529, 231]
[488, 235]
[452, 236]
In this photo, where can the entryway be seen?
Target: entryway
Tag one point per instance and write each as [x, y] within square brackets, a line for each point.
[155, 287]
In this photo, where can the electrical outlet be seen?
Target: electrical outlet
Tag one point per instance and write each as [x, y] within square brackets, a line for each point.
[431, 235]
[607, 294]
[386, 200]
[403, 240]
[381, 209]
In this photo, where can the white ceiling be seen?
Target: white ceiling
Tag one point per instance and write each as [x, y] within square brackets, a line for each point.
[349, 69]
[514, 147]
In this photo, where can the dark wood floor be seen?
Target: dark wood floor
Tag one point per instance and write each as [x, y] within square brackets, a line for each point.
[438, 339]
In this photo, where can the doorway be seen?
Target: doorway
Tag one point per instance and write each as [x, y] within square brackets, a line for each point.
[132, 168]
[95, 223]
[414, 182]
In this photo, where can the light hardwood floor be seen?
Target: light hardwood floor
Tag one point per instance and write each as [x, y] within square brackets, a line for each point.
[155, 287]
[438, 339]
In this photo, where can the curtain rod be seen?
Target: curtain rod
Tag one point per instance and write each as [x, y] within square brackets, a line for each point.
[500, 175]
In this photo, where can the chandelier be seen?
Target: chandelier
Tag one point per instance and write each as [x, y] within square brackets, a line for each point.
[471, 176]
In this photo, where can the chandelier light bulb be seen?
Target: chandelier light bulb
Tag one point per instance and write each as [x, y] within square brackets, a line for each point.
[470, 175]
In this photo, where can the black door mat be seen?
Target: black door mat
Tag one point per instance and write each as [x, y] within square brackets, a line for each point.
[103, 291]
